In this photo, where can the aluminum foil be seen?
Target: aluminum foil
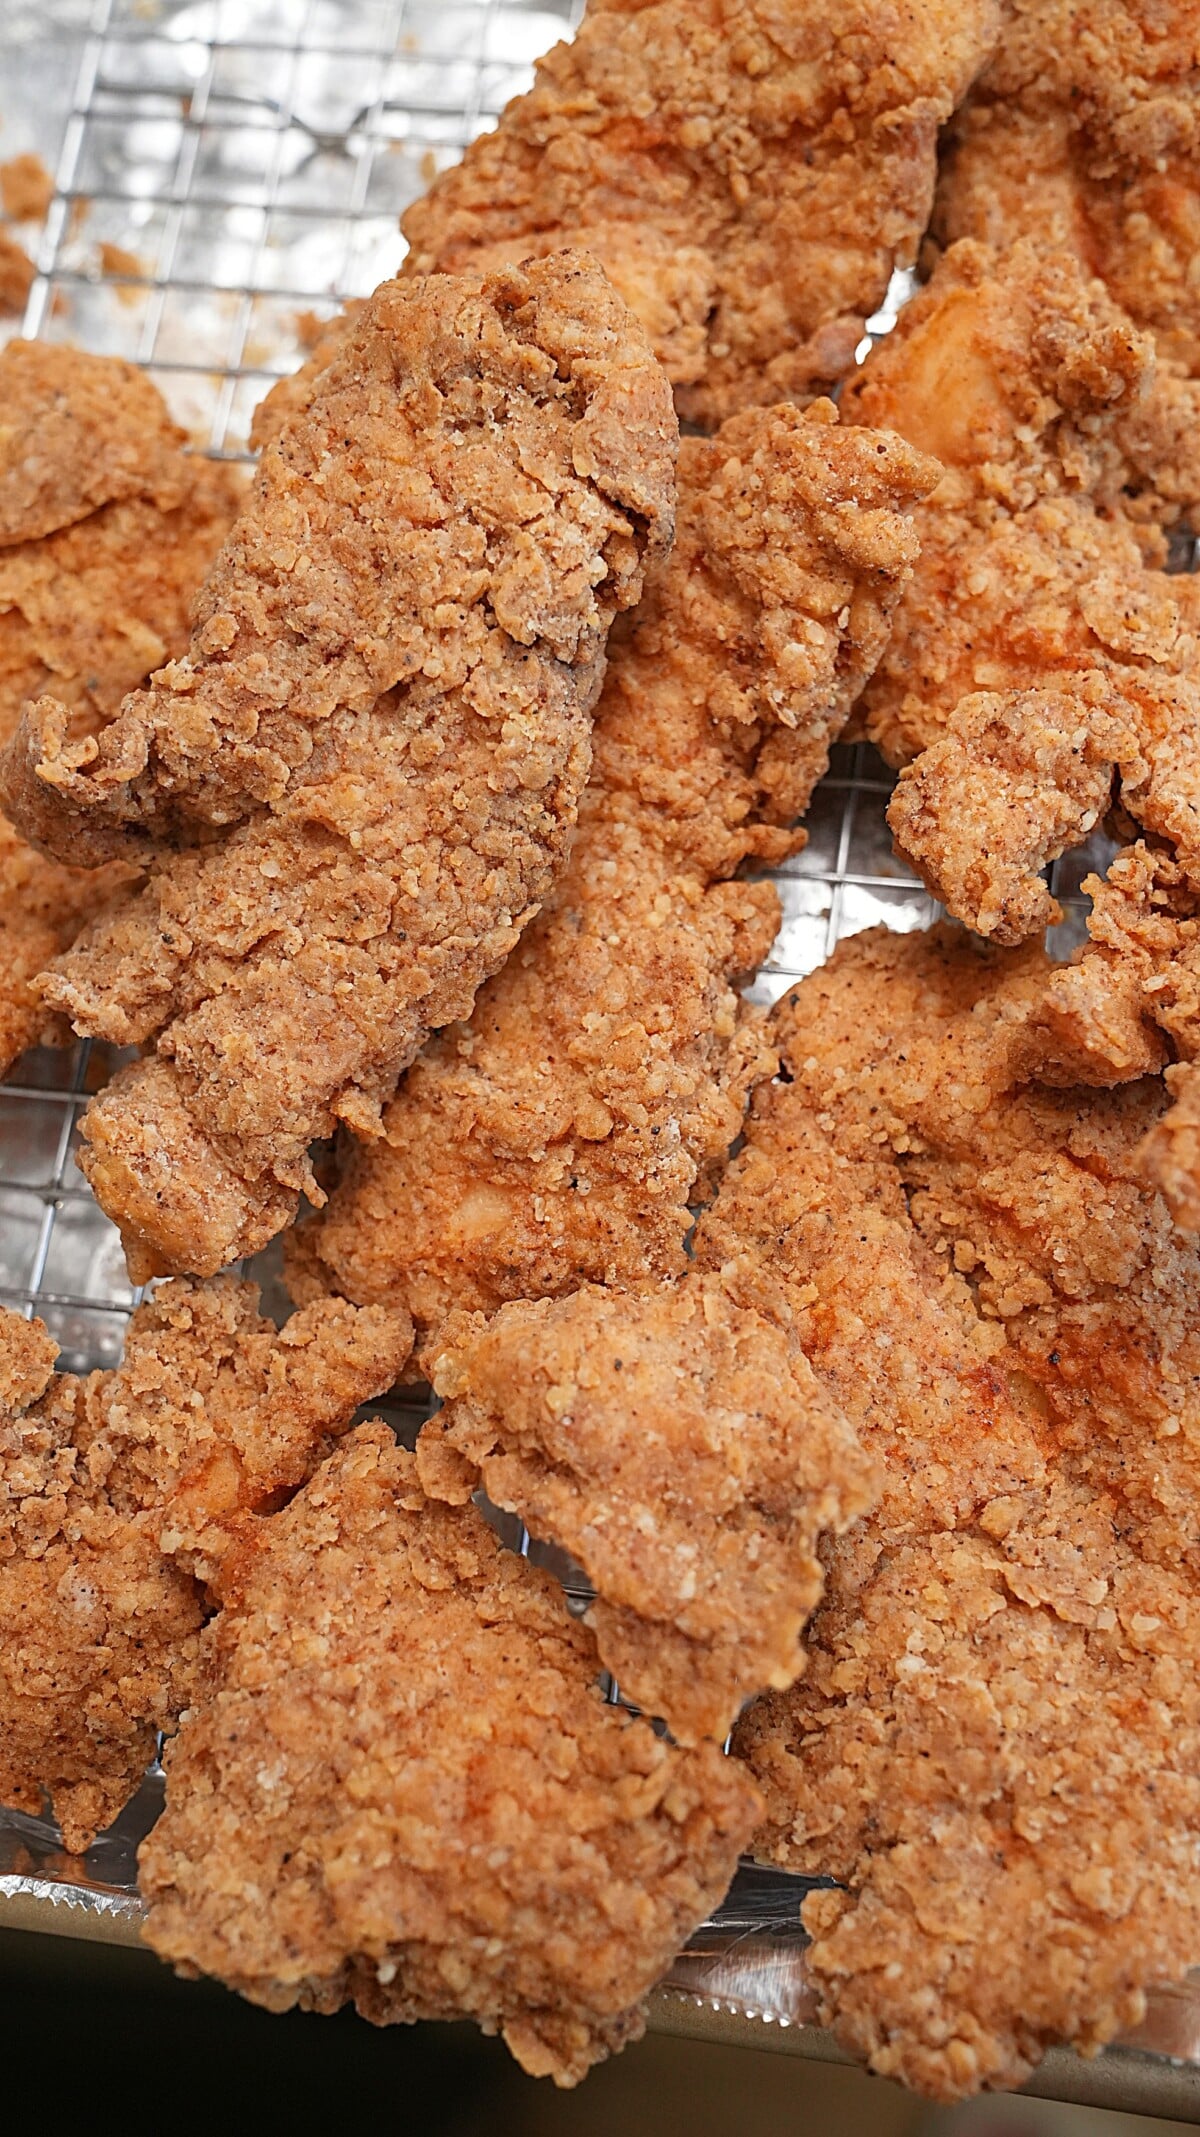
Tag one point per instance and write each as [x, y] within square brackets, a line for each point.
[226, 170]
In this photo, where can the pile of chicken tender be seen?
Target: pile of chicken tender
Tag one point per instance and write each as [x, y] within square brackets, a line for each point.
[406, 808]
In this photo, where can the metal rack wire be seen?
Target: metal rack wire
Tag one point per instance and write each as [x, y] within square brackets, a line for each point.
[225, 170]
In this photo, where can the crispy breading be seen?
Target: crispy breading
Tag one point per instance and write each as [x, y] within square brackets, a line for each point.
[399, 1786]
[120, 1491]
[679, 1448]
[1082, 137]
[43, 905]
[1084, 132]
[1110, 1015]
[1128, 1002]
[1169, 1152]
[1038, 648]
[1020, 776]
[749, 173]
[995, 1747]
[289, 396]
[516, 469]
[79, 432]
[466, 495]
[90, 607]
[561, 1134]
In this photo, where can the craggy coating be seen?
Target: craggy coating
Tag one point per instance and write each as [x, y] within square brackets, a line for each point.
[88, 605]
[1128, 1003]
[1036, 650]
[559, 1136]
[42, 908]
[509, 470]
[78, 432]
[1084, 134]
[748, 171]
[117, 1490]
[290, 395]
[459, 505]
[90, 608]
[399, 1786]
[1169, 1152]
[996, 1746]
[679, 1448]
[1133, 991]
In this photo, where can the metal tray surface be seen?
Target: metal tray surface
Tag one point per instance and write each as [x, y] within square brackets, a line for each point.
[224, 168]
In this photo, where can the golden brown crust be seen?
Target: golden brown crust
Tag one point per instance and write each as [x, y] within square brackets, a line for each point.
[88, 607]
[1038, 650]
[42, 908]
[380, 549]
[1129, 1001]
[1084, 132]
[117, 1490]
[1111, 1014]
[80, 431]
[995, 1746]
[748, 174]
[509, 471]
[561, 1134]
[289, 396]
[1169, 1152]
[1019, 777]
[399, 1786]
[679, 1448]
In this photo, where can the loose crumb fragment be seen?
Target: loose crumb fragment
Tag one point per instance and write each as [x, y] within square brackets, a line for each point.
[26, 188]
[17, 276]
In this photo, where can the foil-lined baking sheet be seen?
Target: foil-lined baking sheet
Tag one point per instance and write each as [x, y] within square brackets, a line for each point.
[227, 172]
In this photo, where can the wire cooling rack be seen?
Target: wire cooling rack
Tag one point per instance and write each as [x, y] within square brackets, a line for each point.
[227, 173]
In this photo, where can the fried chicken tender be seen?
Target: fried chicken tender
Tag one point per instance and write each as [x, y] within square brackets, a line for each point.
[509, 470]
[680, 1449]
[80, 431]
[90, 608]
[996, 1744]
[399, 1786]
[120, 1492]
[87, 605]
[465, 498]
[1084, 134]
[560, 1135]
[1038, 650]
[748, 172]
